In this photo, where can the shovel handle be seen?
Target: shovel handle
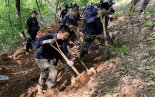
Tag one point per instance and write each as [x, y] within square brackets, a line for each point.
[65, 58]
[77, 30]
[80, 60]
[105, 31]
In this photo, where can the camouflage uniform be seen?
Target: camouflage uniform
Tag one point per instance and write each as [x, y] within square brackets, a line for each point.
[49, 72]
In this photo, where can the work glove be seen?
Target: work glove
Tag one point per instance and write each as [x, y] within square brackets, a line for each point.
[70, 63]
[49, 41]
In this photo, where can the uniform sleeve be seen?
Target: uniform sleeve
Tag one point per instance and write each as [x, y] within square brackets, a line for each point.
[64, 21]
[38, 43]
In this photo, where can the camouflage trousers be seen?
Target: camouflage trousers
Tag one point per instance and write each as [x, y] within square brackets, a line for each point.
[48, 73]
[145, 3]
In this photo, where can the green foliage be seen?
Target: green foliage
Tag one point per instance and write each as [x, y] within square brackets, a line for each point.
[149, 23]
[152, 41]
[121, 50]
[11, 27]
[151, 52]
[132, 14]
[111, 91]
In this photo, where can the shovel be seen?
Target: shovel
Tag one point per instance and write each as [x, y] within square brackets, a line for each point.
[89, 71]
[107, 52]
[82, 78]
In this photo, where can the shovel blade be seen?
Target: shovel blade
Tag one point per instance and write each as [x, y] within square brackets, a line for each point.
[84, 78]
[107, 53]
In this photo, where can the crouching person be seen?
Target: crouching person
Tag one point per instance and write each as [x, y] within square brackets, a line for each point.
[94, 27]
[47, 57]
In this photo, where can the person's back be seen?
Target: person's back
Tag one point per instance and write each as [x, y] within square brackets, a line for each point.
[64, 12]
[94, 24]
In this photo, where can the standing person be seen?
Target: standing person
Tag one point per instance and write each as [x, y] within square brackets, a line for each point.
[134, 2]
[32, 29]
[47, 57]
[93, 27]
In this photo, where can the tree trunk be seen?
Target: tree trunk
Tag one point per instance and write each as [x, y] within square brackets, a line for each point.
[56, 10]
[39, 11]
[8, 11]
[18, 8]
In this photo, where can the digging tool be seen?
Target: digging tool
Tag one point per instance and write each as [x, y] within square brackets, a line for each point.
[83, 78]
[107, 52]
[78, 31]
[89, 71]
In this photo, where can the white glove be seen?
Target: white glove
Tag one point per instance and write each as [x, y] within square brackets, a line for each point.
[49, 41]
[70, 63]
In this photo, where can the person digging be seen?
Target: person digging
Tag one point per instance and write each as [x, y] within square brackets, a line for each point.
[71, 19]
[94, 28]
[47, 57]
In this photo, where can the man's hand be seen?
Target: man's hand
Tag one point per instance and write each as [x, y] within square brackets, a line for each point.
[70, 63]
[101, 12]
[49, 41]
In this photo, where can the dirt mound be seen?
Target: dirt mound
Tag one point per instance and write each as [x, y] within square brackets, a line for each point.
[51, 28]
[22, 73]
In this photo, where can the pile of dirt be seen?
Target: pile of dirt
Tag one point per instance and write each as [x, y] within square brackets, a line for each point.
[22, 73]
[49, 29]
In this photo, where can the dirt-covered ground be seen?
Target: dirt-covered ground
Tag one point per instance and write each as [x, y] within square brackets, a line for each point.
[129, 73]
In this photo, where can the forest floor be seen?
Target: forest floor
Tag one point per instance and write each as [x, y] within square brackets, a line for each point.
[129, 73]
